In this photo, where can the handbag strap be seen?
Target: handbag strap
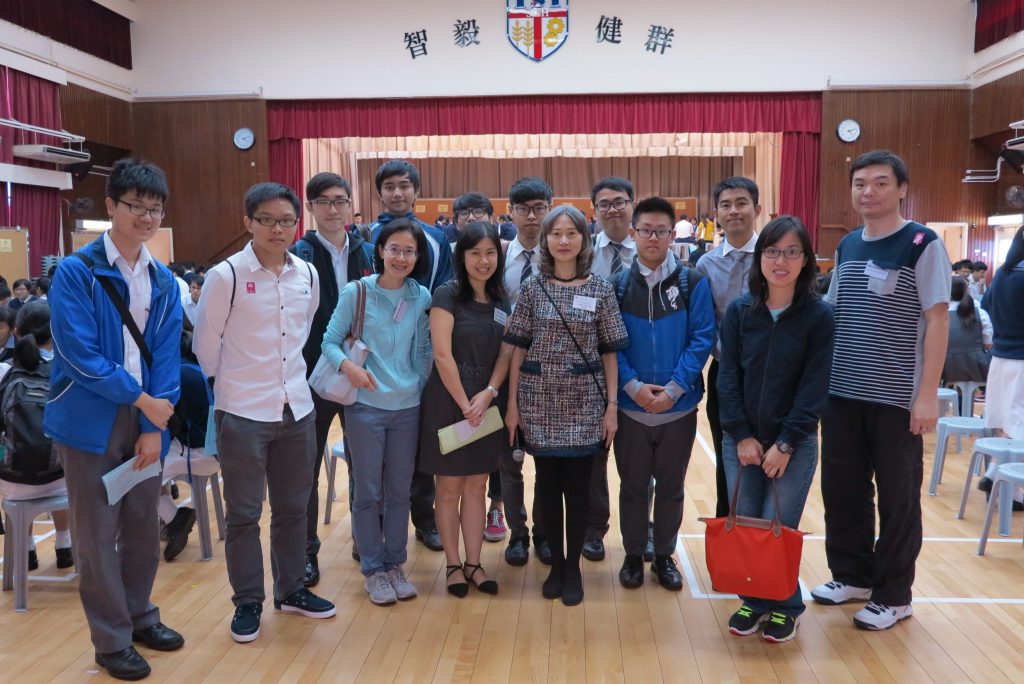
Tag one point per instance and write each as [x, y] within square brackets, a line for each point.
[730, 521]
[357, 328]
[586, 362]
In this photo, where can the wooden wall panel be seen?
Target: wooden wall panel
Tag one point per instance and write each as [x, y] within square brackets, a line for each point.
[207, 174]
[96, 116]
[996, 105]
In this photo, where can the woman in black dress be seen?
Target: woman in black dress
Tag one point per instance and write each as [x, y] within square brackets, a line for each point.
[467, 320]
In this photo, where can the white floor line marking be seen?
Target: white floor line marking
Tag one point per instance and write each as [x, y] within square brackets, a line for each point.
[691, 576]
[707, 448]
[971, 540]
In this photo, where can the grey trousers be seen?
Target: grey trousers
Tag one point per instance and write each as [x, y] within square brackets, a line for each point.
[117, 547]
[513, 492]
[279, 456]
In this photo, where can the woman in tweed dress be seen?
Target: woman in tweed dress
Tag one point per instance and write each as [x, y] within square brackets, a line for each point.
[562, 386]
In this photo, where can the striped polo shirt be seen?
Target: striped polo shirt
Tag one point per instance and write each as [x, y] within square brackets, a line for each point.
[881, 288]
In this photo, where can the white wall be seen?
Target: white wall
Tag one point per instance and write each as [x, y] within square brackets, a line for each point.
[341, 48]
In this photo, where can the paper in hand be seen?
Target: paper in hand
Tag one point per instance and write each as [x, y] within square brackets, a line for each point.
[123, 478]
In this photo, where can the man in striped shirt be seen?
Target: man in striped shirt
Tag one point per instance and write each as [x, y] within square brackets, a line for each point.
[891, 291]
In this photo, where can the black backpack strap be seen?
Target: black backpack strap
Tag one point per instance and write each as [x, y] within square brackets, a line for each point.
[688, 279]
[234, 285]
[122, 309]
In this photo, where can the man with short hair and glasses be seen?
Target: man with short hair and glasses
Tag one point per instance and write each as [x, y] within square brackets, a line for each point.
[339, 257]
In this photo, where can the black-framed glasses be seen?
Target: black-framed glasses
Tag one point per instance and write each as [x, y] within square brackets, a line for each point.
[537, 210]
[791, 253]
[269, 222]
[142, 210]
[477, 213]
[339, 203]
[660, 234]
[617, 204]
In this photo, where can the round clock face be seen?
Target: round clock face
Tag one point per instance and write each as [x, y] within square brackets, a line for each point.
[244, 138]
[848, 130]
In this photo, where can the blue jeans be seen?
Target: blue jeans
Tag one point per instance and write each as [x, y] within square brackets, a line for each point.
[755, 500]
[383, 458]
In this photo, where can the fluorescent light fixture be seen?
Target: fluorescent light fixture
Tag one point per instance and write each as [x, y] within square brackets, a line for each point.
[1006, 220]
[91, 225]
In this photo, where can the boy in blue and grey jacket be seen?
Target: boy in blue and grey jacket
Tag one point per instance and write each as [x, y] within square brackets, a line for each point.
[670, 316]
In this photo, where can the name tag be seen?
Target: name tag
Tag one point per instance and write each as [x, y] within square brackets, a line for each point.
[500, 317]
[873, 270]
[584, 303]
[400, 311]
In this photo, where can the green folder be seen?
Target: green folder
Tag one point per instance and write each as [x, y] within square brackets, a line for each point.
[460, 434]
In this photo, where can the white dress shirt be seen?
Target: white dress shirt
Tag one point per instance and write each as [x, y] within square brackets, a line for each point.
[515, 259]
[604, 253]
[190, 308]
[684, 229]
[339, 259]
[749, 247]
[254, 348]
[182, 285]
[140, 296]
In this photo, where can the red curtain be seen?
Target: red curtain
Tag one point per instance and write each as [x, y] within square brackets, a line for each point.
[798, 182]
[38, 209]
[285, 167]
[996, 20]
[81, 24]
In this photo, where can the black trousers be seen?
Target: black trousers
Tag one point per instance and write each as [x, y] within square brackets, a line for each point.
[564, 481]
[326, 411]
[715, 421]
[860, 441]
[600, 509]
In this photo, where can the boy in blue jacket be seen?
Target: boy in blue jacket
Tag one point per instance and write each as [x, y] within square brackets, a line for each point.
[110, 399]
[670, 316]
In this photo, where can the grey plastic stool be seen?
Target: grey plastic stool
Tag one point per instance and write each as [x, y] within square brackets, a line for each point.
[1003, 451]
[331, 459]
[19, 515]
[949, 401]
[965, 391]
[949, 426]
[1007, 477]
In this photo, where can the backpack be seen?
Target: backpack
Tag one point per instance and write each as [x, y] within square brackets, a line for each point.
[688, 279]
[188, 425]
[29, 457]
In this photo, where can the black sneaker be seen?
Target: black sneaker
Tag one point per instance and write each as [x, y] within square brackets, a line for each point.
[65, 558]
[311, 573]
[518, 551]
[305, 602]
[178, 531]
[664, 568]
[543, 550]
[430, 537]
[245, 626]
[745, 621]
[780, 627]
[33, 560]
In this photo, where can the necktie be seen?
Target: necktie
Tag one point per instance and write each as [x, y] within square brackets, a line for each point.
[527, 267]
[616, 257]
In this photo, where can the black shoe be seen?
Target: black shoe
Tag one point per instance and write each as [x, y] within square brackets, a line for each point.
[780, 627]
[488, 586]
[311, 575]
[649, 549]
[667, 573]
[245, 626]
[631, 575]
[572, 587]
[543, 550]
[65, 558]
[174, 491]
[985, 484]
[552, 588]
[430, 537]
[593, 550]
[456, 589]
[178, 531]
[518, 551]
[745, 621]
[355, 551]
[305, 602]
[1018, 506]
[33, 560]
[159, 637]
[126, 664]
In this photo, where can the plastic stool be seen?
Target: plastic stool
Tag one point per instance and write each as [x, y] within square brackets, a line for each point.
[19, 515]
[1007, 477]
[331, 459]
[1003, 451]
[949, 400]
[965, 391]
[205, 471]
[949, 426]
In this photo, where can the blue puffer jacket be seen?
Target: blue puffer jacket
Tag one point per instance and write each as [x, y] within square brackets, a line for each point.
[89, 382]
[436, 275]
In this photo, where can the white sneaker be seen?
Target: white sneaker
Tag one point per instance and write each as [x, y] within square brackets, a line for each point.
[403, 587]
[833, 593]
[378, 586]
[877, 616]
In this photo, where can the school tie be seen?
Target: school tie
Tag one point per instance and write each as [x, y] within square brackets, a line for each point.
[616, 257]
[527, 267]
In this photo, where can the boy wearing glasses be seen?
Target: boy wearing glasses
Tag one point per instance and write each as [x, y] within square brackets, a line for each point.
[338, 257]
[670, 315]
[256, 311]
[110, 399]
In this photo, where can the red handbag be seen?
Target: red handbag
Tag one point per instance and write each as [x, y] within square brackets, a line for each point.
[752, 556]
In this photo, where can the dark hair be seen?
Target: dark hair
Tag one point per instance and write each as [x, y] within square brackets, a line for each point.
[147, 180]
[8, 316]
[32, 329]
[473, 200]
[470, 237]
[881, 158]
[198, 280]
[42, 284]
[958, 292]
[19, 282]
[5, 291]
[772, 233]
[736, 183]
[397, 167]
[422, 247]
[586, 256]
[528, 189]
[612, 183]
[963, 263]
[50, 271]
[654, 205]
[265, 192]
[1015, 254]
[177, 269]
[979, 266]
[324, 181]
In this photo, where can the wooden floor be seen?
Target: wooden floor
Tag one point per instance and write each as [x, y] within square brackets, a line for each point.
[968, 620]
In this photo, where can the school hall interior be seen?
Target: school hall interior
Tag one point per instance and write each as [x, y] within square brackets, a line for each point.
[223, 94]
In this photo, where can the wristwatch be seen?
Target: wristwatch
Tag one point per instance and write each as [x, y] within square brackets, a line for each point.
[784, 448]
[494, 392]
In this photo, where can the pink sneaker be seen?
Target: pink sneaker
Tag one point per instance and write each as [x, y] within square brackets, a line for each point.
[495, 530]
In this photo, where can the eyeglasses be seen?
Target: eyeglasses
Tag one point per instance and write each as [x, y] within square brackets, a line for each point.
[537, 210]
[475, 213]
[618, 204]
[660, 234]
[271, 222]
[340, 203]
[791, 253]
[396, 252]
[140, 210]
